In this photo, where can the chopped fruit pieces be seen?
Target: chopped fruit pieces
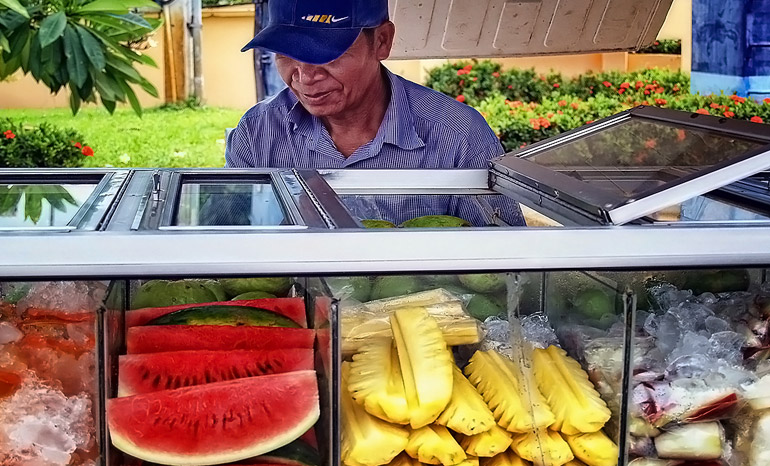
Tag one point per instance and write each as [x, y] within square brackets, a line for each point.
[466, 413]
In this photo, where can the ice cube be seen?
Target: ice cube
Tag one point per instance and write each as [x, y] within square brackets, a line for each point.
[9, 333]
[497, 329]
[537, 329]
[65, 296]
[690, 344]
[688, 366]
[692, 316]
[668, 333]
[726, 346]
[666, 296]
[715, 324]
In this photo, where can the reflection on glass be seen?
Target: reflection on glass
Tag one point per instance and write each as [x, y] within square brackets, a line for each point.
[212, 204]
[605, 158]
[479, 210]
[707, 209]
[41, 205]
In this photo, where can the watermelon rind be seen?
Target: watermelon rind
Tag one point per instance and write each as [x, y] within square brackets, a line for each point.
[224, 315]
[186, 458]
[296, 453]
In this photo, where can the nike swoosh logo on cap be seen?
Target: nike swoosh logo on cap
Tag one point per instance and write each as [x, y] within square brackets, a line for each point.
[337, 20]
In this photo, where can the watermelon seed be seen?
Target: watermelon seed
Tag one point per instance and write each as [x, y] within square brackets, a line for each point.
[145, 374]
[156, 381]
[208, 376]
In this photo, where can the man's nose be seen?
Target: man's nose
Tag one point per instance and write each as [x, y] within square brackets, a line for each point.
[307, 73]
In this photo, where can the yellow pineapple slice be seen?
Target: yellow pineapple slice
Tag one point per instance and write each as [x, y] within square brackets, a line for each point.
[594, 449]
[572, 397]
[513, 396]
[434, 445]
[426, 364]
[469, 461]
[506, 458]
[466, 413]
[366, 440]
[404, 460]
[543, 448]
[490, 443]
[376, 382]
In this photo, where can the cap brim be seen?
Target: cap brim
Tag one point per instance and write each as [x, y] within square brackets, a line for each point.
[308, 45]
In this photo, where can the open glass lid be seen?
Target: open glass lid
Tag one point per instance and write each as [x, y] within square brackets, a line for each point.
[56, 200]
[228, 199]
[633, 166]
[379, 198]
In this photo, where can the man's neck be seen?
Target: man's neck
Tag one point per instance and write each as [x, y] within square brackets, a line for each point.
[360, 125]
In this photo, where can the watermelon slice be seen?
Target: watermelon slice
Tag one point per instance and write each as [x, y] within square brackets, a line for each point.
[153, 372]
[215, 423]
[160, 338]
[293, 308]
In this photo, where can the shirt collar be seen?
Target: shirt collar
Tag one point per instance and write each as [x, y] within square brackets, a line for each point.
[397, 125]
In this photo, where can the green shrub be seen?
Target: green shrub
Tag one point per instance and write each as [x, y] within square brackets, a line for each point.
[26, 146]
[523, 107]
[672, 46]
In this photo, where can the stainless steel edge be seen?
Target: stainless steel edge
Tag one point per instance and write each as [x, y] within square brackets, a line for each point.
[418, 181]
[690, 189]
[327, 200]
[101, 200]
[368, 251]
[306, 201]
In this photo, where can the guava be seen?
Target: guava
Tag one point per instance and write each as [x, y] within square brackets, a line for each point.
[484, 282]
[372, 223]
[593, 303]
[161, 293]
[358, 288]
[389, 286]
[277, 286]
[254, 295]
[482, 306]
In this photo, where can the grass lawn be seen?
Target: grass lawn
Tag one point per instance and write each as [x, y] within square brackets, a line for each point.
[160, 138]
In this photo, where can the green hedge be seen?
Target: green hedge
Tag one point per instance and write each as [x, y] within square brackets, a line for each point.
[523, 106]
[27, 146]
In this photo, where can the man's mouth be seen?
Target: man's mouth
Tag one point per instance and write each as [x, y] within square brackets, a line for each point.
[316, 96]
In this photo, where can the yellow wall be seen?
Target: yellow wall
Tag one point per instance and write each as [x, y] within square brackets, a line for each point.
[228, 76]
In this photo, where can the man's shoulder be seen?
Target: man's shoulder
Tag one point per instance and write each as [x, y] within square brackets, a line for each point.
[432, 106]
[271, 109]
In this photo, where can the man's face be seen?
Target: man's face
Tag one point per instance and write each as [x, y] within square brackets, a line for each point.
[334, 88]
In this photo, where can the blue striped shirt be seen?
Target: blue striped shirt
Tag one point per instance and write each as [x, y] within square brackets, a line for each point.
[421, 128]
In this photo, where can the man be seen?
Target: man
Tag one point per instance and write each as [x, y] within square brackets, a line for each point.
[342, 108]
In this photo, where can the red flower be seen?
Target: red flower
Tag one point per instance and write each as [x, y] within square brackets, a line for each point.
[646, 92]
[766, 100]
[574, 105]
[620, 91]
[650, 143]
[555, 84]
[676, 88]
[680, 135]
[535, 124]
[496, 74]
[660, 90]
[589, 122]
[510, 86]
[562, 103]
[714, 105]
[702, 111]
[737, 99]
[607, 84]
[87, 151]
[475, 78]
[77, 144]
[625, 85]
[523, 144]
[559, 112]
[462, 82]
[590, 92]
[461, 72]
[550, 115]
[639, 84]
[645, 103]
[757, 119]
[729, 114]
[468, 68]
[661, 101]
[544, 123]
[9, 134]
[460, 98]
[657, 43]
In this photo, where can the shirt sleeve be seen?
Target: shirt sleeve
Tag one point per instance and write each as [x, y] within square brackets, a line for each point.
[238, 151]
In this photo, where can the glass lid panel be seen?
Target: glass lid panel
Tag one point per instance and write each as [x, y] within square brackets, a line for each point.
[636, 156]
[396, 209]
[252, 203]
[709, 209]
[33, 205]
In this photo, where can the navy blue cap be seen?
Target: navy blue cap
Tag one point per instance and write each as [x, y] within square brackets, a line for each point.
[317, 31]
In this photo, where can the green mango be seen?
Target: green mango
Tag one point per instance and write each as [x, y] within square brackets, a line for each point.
[593, 304]
[439, 281]
[372, 223]
[216, 288]
[161, 293]
[435, 221]
[253, 295]
[389, 286]
[278, 286]
[358, 288]
[482, 306]
[484, 282]
[717, 281]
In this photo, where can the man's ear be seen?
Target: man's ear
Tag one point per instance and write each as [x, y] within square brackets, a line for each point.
[383, 39]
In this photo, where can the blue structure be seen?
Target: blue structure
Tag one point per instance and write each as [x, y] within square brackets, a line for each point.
[731, 47]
